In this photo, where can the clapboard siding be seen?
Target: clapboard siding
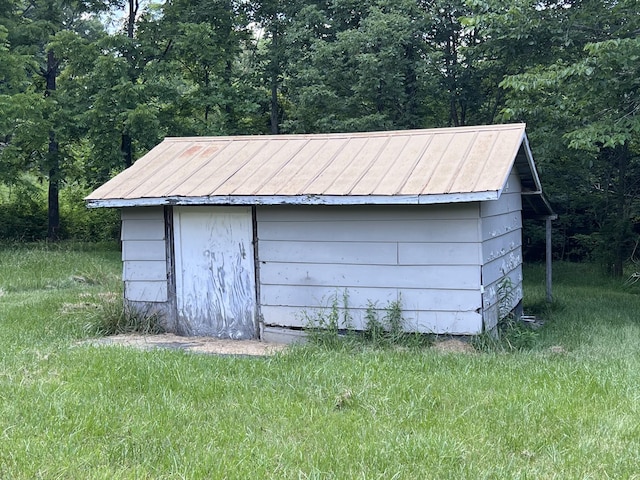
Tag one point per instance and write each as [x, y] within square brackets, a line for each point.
[411, 299]
[396, 276]
[143, 230]
[152, 270]
[383, 230]
[142, 213]
[366, 253]
[141, 291]
[501, 266]
[144, 250]
[455, 323]
[441, 300]
[438, 253]
[500, 225]
[445, 322]
[508, 288]
[426, 257]
[501, 296]
[144, 255]
[508, 202]
[350, 213]
[502, 245]
[275, 295]
[363, 253]
[502, 252]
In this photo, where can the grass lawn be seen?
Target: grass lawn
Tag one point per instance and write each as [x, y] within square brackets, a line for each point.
[77, 411]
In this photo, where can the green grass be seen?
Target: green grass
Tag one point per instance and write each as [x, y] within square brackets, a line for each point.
[75, 411]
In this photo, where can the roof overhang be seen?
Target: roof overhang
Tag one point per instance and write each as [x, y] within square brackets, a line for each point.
[534, 203]
[299, 200]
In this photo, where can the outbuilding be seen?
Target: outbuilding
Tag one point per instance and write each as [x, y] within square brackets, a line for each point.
[241, 237]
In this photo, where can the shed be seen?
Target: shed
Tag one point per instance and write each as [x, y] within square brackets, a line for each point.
[240, 236]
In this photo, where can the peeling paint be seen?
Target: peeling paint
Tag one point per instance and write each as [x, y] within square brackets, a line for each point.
[215, 274]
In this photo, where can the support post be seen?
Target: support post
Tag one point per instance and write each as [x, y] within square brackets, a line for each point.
[548, 259]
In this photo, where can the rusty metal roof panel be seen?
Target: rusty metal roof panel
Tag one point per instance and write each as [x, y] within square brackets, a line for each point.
[412, 166]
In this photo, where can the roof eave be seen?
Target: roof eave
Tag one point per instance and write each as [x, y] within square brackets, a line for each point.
[296, 200]
[532, 163]
[537, 205]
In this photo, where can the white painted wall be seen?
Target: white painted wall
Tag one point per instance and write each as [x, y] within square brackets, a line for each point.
[144, 255]
[428, 257]
[435, 259]
[502, 251]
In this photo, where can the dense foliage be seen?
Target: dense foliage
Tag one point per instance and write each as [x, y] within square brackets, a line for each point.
[88, 86]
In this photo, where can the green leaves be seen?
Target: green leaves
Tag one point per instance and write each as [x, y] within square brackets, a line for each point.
[216, 67]
[590, 98]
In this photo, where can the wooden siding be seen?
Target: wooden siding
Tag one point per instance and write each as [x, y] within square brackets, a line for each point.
[450, 322]
[144, 255]
[146, 250]
[502, 252]
[429, 258]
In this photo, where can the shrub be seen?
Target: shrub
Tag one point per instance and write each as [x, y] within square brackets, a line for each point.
[23, 213]
[86, 224]
[24, 216]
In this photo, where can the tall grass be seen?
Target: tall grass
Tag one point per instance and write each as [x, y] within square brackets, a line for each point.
[70, 410]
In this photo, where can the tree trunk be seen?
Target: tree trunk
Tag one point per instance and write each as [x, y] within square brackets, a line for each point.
[53, 208]
[275, 68]
[621, 222]
[450, 72]
[53, 194]
[411, 117]
[126, 149]
[126, 142]
[615, 229]
[274, 107]
[134, 5]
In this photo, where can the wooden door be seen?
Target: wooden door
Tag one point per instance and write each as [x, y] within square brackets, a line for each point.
[215, 275]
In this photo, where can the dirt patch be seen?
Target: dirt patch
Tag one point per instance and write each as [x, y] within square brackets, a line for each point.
[217, 346]
[210, 345]
[453, 345]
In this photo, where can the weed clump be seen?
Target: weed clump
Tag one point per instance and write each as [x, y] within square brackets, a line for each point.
[511, 335]
[110, 315]
[333, 328]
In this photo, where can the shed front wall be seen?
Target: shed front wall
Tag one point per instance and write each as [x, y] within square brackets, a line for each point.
[502, 252]
[426, 257]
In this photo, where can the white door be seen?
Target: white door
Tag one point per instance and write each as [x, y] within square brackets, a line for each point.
[215, 276]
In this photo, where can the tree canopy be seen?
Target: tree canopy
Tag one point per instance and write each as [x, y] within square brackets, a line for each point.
[88, 86]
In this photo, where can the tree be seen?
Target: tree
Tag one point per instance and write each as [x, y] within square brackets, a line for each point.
[272, 17]
[39, 117]
[207, 40]
[592, 98]
[12, 80]
[116, 97]
[353, 66]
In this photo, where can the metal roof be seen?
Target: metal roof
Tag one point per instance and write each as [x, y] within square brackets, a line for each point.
[398, 167]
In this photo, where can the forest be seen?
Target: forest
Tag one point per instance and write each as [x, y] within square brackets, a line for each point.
[88, 86]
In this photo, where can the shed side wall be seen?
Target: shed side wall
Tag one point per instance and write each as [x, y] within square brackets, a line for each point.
[428, 257]
[144, 257]
[502, 252]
